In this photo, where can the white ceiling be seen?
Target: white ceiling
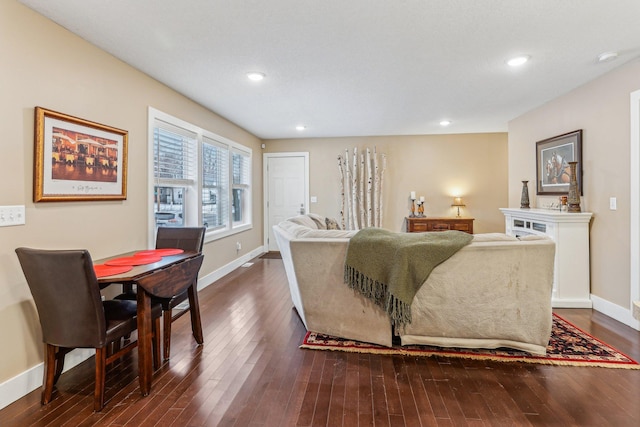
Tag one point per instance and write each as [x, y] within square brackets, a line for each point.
[360, 67]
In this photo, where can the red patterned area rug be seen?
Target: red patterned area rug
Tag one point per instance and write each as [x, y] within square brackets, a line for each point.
[569, 346]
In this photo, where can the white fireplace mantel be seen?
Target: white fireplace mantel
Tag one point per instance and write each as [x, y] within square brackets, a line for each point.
[570, 232]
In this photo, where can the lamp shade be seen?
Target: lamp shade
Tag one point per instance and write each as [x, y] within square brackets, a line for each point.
[457, 201]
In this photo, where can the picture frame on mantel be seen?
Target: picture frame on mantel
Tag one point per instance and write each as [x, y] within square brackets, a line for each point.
[552, 169]
[77, 159]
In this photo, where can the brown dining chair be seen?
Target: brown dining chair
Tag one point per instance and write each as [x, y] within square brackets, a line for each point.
[188, 239]
[72, 315]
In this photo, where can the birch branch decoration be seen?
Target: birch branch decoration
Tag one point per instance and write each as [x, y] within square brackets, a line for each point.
[361, 180]
[380, 201]
[342, 194]
[354, 190]
[376, 189]
[346, 189]
[361, 209]
[369, 188]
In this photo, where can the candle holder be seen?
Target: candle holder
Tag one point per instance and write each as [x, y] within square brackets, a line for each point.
[413, 208]
[573, 197]
[420, 210]
[524, 198]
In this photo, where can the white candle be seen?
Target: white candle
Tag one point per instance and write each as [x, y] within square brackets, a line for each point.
[422, 198]
[413, 195]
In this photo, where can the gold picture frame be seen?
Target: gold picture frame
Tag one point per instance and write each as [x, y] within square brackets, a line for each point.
[77, 159]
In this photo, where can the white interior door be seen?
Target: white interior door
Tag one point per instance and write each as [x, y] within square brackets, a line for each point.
[286, 180]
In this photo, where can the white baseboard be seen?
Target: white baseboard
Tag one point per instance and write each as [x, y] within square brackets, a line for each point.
[571, 303]
[218, 274]
[617, 312]
[31, 379]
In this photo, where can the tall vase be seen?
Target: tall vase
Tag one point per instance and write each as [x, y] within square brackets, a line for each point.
[524, 198]
[574, 194]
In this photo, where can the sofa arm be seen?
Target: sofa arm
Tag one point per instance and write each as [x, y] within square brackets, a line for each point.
[330, 307]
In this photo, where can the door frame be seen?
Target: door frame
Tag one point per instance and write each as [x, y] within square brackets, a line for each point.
[634, 215]
[265, 189]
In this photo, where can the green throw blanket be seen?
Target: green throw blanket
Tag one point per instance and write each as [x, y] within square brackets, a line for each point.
[389, 267]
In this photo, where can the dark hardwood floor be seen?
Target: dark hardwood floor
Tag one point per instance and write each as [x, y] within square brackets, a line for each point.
[250, 372]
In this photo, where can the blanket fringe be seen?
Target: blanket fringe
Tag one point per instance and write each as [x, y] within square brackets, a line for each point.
[399, 312]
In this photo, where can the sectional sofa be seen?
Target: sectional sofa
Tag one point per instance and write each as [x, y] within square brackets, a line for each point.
[494, 292]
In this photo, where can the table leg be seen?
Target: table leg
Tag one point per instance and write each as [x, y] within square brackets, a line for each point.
[194, 310]
[145, 334]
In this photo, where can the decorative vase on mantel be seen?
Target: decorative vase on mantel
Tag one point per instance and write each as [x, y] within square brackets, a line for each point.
[573, 198]
[524, 198]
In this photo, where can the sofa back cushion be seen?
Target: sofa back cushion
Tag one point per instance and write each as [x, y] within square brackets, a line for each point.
[323, 234]
[319, 220]
[302, 231]
[493, 237]
[331, 223]
[305, 220]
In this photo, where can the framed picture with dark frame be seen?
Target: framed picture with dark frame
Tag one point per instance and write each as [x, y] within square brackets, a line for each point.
[76, 159]
[552, 163]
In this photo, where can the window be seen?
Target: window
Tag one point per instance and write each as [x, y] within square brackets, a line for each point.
[199, 178]
[241, 184]
[174, 163]
[215, 184]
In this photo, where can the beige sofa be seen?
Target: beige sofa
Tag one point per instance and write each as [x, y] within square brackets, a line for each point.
[495, 292]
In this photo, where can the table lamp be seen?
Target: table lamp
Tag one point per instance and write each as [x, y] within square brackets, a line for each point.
[458, 203]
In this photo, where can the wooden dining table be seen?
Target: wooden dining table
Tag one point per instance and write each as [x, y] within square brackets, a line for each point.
[145, 333]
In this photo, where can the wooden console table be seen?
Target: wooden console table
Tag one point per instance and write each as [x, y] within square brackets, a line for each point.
[422, 224]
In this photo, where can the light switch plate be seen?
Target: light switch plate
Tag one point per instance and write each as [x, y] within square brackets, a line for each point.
[12, 215]
[613, 203]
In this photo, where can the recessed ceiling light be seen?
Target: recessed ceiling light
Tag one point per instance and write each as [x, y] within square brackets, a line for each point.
[518, 60]
[607, 56]
[300, 128]
[445, 122]
[255, 76]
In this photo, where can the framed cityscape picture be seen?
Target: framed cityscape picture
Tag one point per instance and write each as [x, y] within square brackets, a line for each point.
[76, 159]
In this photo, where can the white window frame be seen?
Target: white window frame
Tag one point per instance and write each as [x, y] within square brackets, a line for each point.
[193, 211]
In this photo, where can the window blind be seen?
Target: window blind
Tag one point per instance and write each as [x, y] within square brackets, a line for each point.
[241, 178]
[215, 183]
[174, 154]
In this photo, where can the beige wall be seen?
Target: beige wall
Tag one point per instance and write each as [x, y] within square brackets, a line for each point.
[433, 166]
[601, 109]
[45, 65]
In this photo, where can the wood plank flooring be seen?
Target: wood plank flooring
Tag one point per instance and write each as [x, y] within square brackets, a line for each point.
[250, 372]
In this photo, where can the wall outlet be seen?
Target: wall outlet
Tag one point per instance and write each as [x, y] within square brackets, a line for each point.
[238, 246]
